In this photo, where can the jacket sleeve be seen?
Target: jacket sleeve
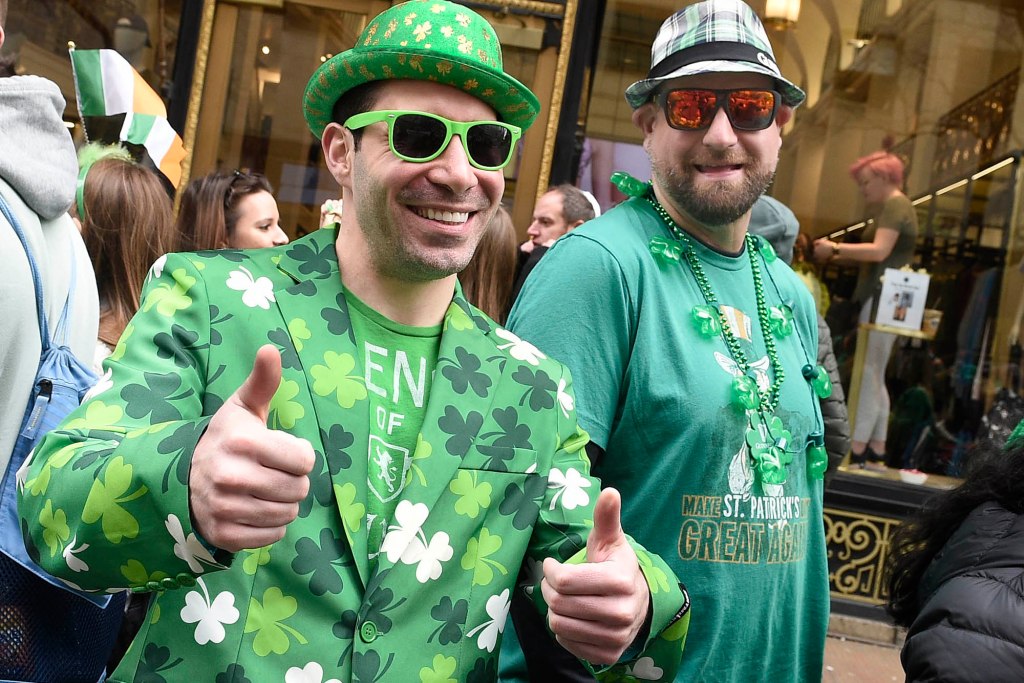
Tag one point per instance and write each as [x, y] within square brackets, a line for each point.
[833, 409]
[104, 503]
[566, 517]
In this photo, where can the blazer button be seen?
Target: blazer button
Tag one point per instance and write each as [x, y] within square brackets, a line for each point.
[368, 632]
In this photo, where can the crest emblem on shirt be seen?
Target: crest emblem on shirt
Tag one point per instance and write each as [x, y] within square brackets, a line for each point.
[387, 469]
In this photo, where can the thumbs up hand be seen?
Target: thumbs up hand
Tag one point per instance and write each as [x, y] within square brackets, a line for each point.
[597, 609]
[246, 481]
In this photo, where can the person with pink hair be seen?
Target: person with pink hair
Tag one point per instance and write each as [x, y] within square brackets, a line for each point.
[887, 242]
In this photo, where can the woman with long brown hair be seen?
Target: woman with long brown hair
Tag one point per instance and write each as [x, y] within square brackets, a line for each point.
[127, 224]
[229, 211]
[487, 280]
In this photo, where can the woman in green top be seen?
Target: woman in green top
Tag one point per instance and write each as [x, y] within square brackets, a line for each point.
[888, 242]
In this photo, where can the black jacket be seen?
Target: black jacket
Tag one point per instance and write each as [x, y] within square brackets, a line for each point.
[833, 408]
[971, 623]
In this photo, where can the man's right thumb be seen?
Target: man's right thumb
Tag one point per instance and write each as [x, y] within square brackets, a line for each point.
[261, 384]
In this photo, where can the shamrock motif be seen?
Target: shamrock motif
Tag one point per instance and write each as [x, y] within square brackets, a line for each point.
[170, 298]
[523, 503]
[322, 562]
[208, 616]
[265, 618]
[744, 393]
[256, 292]
[155, 397]
[70, 556]
[234, 673]
[345, 629]
[768, 448]
[55, 527]
[665, 250]
[406, 542]
[780, 319]
[188, 548]
[176, 345]
[157, 269]
[311, 673]
[105, 499]
[283, 411]
[477, 551]
[452, 617]
[463, 430]
[257, 557]
[707, 320]
[569, 488]
[154, 660]
[463, 373]
[497, 609]
[441, 670]
[473, 496]
[181, 439]
[645, 670]
[485, 670]
[312, 261]
[379, 601]
[518, 348]
[540, 388]
[366, 666]
[336, 377]
[565, 399]
[289, 359]
[337, 318]
[657, 579]
[628, 185]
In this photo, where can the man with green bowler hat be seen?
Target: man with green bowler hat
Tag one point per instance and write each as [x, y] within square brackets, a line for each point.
[319, 459]
[694, 353]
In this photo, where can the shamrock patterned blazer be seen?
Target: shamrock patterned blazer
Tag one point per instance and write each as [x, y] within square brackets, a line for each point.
[498, 481]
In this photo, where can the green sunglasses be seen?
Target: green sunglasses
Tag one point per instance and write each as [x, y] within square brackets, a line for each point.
[419, 137]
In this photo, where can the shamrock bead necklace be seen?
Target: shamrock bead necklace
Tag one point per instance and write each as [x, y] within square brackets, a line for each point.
[745, 391]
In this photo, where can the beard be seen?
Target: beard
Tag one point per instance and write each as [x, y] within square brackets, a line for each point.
[716, 203]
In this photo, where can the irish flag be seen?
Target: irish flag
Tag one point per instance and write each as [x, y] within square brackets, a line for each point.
[117, 105]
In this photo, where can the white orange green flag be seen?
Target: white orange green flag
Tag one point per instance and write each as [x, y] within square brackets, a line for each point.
[114, 100]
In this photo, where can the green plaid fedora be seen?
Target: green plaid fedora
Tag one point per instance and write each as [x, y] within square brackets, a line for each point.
[423, 40]
[709, 37]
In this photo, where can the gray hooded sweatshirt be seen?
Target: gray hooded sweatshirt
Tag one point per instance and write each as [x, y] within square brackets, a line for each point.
[38, 173]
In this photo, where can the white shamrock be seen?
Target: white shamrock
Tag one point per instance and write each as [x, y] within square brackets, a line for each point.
[101, 385]
[404, 541]
[188, 549]
[311, 673]
[570, 488]
[519, 349]
[564, 398]
[645, 669]
[497, 609]
[211, 616]
[73, 562]
[436, 552]
[257, 292]
[157, 269]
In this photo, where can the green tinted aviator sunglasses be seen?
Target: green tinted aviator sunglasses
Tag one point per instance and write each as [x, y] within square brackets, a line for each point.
[419, 137]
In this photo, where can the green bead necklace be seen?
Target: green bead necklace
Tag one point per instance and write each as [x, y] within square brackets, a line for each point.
[767, 438]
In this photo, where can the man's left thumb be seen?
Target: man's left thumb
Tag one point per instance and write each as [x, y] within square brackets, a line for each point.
[606, 536]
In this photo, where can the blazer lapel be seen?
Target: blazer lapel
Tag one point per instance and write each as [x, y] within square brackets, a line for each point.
[317, 318]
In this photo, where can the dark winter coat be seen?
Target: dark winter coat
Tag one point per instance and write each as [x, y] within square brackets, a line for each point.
[971, 623]
[833, 408]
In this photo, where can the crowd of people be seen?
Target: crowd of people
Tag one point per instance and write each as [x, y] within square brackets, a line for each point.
[407, 447]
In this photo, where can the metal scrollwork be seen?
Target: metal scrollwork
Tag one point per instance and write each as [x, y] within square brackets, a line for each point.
[857, 548]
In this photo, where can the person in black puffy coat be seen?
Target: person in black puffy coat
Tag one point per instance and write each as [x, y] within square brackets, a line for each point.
[956, 576]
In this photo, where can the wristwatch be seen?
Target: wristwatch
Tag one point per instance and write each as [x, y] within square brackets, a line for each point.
[835, 249]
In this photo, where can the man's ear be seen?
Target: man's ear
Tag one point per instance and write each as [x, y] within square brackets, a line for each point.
[644, 118]
[575, 225]
[784, 115]
[339, 152]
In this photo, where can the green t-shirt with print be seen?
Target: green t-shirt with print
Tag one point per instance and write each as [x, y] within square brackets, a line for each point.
[398, 364]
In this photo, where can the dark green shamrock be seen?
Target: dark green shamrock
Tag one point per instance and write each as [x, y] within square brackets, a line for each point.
[541, 391]
[279, 338]
[463, 430]
[523, 503]
[177, 345]
[154, 397]
[366, 667]
[233, 255]
[345, 630]
[512, 434]
[570, 546]
[484, 670]
[304, 288]
[452, 618]
[337, 318]
[182, 439]
[30, 545]
[215, 320]
[90, 455]
[235, 673]
[322, 561]
[463, 372]
[378, 601]
[312, 261]
[154, 660]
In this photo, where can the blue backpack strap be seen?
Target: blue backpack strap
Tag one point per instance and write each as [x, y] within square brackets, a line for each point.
[37, 282]
[60, 335]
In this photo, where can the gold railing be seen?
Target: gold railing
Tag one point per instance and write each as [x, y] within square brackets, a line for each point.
[857, 546]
